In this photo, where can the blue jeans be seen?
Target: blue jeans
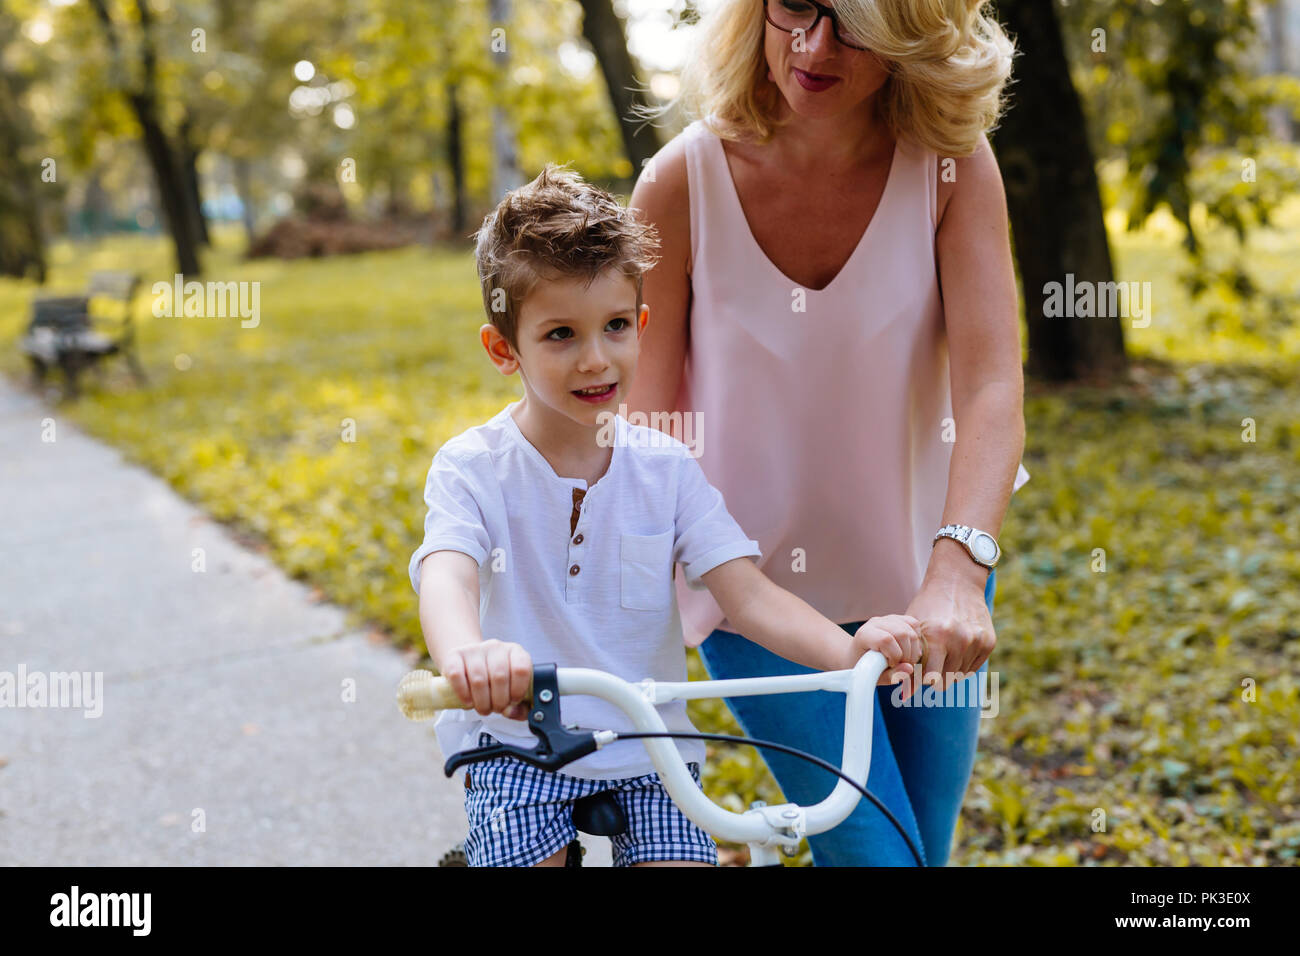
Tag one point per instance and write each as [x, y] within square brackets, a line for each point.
[921, 757]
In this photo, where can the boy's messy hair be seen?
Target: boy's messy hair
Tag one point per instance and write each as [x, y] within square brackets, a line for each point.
[556, 227]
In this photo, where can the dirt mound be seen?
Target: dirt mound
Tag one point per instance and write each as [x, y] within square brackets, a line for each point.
[321, 226]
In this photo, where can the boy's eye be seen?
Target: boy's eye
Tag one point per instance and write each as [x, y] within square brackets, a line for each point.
[568, 331]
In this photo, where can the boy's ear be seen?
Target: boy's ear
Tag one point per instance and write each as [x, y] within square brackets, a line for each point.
[498, 349]
[642, 319]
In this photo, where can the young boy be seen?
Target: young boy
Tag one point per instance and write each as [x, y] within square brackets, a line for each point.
[546, 541]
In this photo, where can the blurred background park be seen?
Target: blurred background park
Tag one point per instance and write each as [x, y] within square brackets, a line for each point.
[339, 153]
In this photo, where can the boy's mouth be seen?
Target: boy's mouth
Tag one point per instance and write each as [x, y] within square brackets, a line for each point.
[597, 393]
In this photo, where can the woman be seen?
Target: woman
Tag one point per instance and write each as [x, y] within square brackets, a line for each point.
[835, 316]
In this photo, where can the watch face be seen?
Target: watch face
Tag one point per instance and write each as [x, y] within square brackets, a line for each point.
[984, 547]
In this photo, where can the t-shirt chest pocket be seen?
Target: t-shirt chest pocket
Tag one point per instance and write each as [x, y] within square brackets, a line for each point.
[645, 568]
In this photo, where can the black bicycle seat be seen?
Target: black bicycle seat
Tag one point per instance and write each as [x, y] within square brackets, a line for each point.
[556, 745]
[599, 814]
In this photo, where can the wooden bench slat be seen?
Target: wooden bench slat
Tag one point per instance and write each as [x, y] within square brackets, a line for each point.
[115, 285]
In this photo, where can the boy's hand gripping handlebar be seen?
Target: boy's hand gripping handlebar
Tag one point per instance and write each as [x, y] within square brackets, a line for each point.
[421, 694]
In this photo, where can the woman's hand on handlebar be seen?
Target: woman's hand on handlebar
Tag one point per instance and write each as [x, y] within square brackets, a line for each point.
[491, 676]
[957, 626]
[894, 636]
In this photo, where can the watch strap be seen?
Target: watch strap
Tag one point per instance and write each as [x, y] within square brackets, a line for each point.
[962, 534]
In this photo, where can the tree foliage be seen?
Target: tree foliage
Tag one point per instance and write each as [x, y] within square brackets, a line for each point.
[1175, 94]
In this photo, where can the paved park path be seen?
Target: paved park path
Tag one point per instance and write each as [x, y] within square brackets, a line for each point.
[225, 737]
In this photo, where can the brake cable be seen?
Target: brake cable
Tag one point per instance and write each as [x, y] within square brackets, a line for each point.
[794, 752]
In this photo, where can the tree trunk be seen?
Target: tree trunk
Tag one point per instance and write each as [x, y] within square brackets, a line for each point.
[1284, 127]
[244, 183]
[96, 210]
[22, 241]
[505, 163]
[396, 205]
[604, 31]
[456, 160]
[1054, 201]
[190, 167]
[167, 168]
[169, 176]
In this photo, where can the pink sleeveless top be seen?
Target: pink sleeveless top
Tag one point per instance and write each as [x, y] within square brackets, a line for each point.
[822, 428]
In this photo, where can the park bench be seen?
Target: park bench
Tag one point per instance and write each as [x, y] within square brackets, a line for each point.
[62, 331]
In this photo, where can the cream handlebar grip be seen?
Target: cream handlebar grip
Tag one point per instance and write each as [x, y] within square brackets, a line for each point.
[421, 694]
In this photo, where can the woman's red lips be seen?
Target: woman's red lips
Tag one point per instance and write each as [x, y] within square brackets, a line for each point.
[813, 82]
[817, 76]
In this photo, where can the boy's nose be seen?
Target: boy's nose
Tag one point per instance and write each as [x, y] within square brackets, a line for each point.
[592, 357]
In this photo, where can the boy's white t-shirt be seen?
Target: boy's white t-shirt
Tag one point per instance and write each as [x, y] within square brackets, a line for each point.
[599, 597]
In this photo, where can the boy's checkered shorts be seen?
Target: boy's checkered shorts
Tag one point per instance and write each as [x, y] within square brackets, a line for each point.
[519, 815]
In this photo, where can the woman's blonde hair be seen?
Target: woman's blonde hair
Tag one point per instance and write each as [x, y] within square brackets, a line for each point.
[948, 62]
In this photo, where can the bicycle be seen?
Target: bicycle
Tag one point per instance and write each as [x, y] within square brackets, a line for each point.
[421, 694]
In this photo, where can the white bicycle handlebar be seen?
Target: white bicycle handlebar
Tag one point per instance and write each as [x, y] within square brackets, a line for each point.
[421, 694]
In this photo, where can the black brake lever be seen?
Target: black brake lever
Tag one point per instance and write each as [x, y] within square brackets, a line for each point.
[556, 746]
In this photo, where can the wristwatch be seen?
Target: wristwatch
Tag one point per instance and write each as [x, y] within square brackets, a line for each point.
[982, 546]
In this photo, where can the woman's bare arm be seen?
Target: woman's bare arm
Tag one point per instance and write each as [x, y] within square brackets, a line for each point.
[980, 312]
[661, 194]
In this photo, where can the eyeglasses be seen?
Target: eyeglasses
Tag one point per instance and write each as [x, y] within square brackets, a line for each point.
[791, 15]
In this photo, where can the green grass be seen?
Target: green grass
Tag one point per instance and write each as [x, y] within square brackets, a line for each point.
[1178, 331]
[1121, 691]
